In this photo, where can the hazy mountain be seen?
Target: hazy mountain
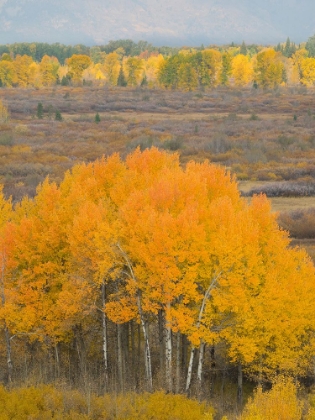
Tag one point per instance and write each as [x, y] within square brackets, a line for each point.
[158, 21]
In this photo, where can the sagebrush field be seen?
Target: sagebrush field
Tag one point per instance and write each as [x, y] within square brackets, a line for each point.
[265, 138]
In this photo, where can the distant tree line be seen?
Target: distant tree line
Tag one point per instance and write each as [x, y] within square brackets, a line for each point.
[37, 50]
[126, 63]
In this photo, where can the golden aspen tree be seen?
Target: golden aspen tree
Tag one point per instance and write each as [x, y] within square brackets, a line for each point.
[134, 67]
[296, 60]
[307, 69]
[212, 61]
[187, 77]
[25, 70]
[269, 68]
[242, 70]
[7, 73]
[111, 67]
[152, 68]
[6, 267]
[99, 75]
[48, 69]
[77, 64]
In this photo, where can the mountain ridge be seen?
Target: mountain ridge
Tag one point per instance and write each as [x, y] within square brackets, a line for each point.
[173, 22]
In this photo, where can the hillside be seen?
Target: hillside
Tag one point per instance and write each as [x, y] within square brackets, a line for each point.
[176, 22]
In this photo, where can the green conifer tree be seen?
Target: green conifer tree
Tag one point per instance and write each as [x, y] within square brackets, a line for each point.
[40, 111]
[287, 48]
[121, 81]
[226, 68]
[58, 116]
[243, 49]
[97, 118]
[144, 81]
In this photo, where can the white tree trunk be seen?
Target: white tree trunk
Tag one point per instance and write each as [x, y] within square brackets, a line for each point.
[6, 331]
[178, 370]
[200, 366]
[190, 369]
[161, 339]
[202, 308]
[168, 355]
[240, 386]
[104, 328]
[147, 353]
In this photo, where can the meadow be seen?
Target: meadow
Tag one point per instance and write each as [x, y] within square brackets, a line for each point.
[265, 138]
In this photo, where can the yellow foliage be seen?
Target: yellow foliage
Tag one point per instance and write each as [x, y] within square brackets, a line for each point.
[280, 403]
[269, 68]
[77, 64]
[7, 73]
[48, 68]
[307, 67]
[242, 70]
[152, 66]
[46, 402]
[111, 68]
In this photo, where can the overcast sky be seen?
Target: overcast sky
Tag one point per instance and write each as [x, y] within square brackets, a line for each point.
[158, 21]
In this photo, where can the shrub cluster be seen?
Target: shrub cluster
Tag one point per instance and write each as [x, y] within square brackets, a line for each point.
[284, 189]
[46, 402]
[300, 223]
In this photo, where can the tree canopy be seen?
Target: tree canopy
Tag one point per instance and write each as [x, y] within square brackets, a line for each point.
[147, 242]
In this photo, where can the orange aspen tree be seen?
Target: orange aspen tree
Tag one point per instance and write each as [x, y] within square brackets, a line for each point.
[92, 238]
[91, 217]
[6, 266]
[258, 300]
[269, 68]
[149, 242]
[41, 257]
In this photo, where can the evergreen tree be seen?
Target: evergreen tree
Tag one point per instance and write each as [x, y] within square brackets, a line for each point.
[40, 111]
[58, 116]
[144, 81]
[97, 118]
[121, 81]
[243, 49]
[65, 81]
[226, 68]
[289, 48]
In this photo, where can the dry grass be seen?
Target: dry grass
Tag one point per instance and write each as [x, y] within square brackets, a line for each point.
[252, 133]
[288, 204]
